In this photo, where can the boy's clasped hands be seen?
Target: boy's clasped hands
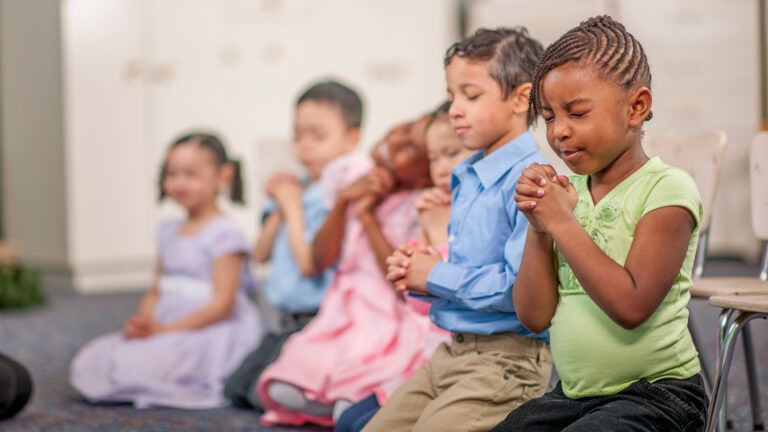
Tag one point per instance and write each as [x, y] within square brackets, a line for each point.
[546, 199]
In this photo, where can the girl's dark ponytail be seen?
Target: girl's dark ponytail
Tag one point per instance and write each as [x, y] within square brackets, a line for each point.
[236, 187]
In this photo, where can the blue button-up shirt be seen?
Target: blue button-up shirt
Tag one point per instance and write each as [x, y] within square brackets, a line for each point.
[287, 290]
[472, 291]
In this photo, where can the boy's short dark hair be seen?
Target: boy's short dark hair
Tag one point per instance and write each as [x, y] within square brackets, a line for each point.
[512, 54]
[338, 94]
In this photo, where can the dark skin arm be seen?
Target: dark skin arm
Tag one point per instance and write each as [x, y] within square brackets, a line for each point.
[382, 184]
[535, 294]
[326, 248]
[628, 294]
[381, 247]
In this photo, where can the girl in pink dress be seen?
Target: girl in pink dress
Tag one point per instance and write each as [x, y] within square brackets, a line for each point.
[195, 324]
[444, 150]
[365, 334]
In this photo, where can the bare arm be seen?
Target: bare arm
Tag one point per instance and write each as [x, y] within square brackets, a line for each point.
[300, 248]
[226, 280]
[535, 291]
[326, 248]
[262, 251]
[376, 238]
[630, 294]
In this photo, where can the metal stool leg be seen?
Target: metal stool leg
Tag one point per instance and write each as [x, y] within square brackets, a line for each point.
[714, 414]
[741, 318]
[752, 377]
[726, 317]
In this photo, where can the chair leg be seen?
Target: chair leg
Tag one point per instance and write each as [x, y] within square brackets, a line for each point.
[752, 377]
[741, 318]
[705, 368]
[714, 414]
[726, 317]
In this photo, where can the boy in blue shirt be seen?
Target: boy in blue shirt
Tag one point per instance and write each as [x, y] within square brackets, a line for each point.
[326, 131]
[493, 363]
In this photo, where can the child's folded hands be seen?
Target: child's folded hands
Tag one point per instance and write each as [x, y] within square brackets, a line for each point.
[545, 197]
[409, 268]
[378, 182]
[141, 326]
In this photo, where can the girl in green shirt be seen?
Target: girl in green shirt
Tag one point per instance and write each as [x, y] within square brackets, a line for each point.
[609, 252]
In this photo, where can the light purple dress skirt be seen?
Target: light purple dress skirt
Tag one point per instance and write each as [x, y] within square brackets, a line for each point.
[183, 369]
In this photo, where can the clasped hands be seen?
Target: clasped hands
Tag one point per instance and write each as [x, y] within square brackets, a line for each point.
[545, 198]
[141, 326]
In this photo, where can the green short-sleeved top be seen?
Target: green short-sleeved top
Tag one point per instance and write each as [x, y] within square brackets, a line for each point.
[594, 355]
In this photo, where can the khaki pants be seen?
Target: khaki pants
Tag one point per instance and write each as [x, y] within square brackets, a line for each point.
[471, 385]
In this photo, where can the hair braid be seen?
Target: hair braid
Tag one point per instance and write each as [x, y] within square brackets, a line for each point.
[605, 45]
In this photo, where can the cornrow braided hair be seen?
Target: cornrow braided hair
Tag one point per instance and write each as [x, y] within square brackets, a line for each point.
[605, 45]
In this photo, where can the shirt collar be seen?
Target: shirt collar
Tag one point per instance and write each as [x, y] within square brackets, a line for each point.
[489, 169]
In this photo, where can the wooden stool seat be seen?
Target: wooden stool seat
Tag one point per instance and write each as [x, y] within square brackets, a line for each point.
[747, 303]
[705, 288]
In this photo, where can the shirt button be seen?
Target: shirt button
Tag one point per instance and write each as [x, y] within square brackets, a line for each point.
[451, 238]
[432, 317]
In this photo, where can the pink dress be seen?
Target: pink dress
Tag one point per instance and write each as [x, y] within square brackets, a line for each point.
[363, 336]
[434, 337]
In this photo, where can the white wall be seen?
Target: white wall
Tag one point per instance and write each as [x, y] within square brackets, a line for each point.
[137, 73]
[33, 177]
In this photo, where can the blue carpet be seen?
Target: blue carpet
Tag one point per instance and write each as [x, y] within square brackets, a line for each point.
[45, 339]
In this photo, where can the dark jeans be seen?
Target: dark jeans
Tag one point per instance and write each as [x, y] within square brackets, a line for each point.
[667, 405]
[15, 387]
[240, 386]
[357, 416]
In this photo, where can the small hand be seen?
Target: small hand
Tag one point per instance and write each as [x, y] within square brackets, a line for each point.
[275, 179]
[141, 326]
[382, 181]
[398, 263]
[287, 192]
[356, 189]
[365, 205]
[541, 174]
[379, 181]
[554, 208]
[433, 197]
[416, 271]
[531, 187]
